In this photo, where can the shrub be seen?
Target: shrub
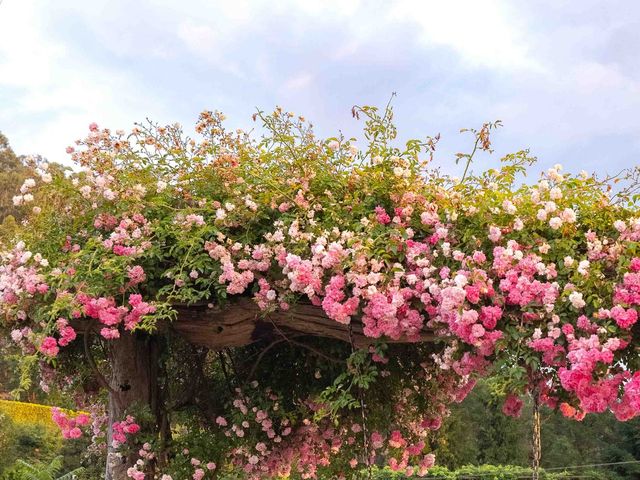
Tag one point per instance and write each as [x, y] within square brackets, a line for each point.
[491, 472]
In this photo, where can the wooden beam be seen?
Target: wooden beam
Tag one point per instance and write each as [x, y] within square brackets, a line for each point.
[241, 323]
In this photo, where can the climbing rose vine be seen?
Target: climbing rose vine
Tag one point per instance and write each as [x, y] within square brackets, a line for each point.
[534, 282]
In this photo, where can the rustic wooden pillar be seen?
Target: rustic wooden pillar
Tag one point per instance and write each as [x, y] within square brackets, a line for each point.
[131, 383]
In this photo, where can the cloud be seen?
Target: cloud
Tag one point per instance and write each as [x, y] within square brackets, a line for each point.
[201, 39]
[26, 59]
[563, 77]
[54, 92]
[484, 33]
[298, 82]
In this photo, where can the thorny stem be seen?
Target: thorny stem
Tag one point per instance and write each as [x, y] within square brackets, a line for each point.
[537, 434]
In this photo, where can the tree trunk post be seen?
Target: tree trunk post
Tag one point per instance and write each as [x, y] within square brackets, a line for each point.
[131, 382]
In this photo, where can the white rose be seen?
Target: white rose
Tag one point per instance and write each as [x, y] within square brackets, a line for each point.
[583, 267]
[555, 223]
[541, 215]
[620, 226]
[555, 193]
[576, 300]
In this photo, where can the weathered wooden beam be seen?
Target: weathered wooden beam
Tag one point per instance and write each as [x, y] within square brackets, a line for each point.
[241, 323]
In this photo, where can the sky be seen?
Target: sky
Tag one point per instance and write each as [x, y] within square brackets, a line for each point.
[563, 76]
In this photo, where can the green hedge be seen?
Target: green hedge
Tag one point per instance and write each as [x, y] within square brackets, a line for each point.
[493, 472]
[29, 442]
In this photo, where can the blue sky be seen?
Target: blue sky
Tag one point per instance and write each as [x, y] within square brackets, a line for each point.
[563, 76]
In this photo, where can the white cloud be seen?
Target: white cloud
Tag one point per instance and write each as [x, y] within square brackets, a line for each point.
[555, 80]
[201, 39]
[55, 95]
[594, 78]
[25, 59]
[299, 81]
[483, 33]
[330, 9]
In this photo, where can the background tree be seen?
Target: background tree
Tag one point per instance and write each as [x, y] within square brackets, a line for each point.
[12, 173]
[477, 432]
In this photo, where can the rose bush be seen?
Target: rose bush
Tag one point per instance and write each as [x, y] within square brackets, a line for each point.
[535, 283]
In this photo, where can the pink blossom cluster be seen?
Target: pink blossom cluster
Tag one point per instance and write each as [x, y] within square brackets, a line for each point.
[139, 309]
[336, 304]
[304, 276]
[585, 355]
[520, 276]
[106, 312]
[129, 237]
[382, 216]
[69, 426]
[133, 472]
[121, 430]
[23, 337]
[512, 406]
[136, 275]
[408, 452]
[239, 274]
[66, 332]
[389, 315]
[49, 347]
[20, 275]
[265, 297]
[628, 293]
[193, 220]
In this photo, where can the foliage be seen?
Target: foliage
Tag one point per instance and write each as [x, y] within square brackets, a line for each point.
[492, 472]
[533, 285]
[34, 442]
[12, 173]
[476, 433]
[42, 471]
[6, 442]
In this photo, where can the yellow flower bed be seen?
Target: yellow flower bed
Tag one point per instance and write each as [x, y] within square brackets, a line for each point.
[30, 413]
